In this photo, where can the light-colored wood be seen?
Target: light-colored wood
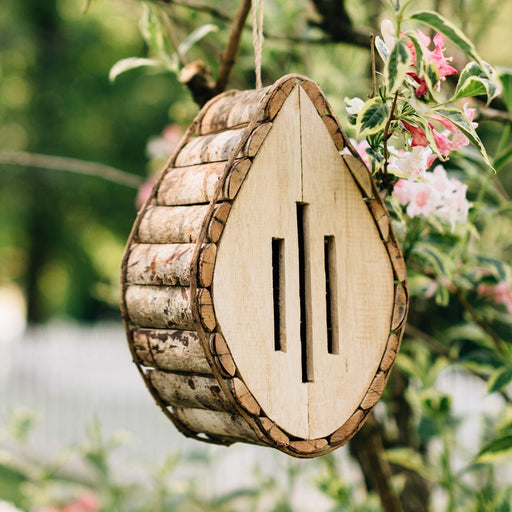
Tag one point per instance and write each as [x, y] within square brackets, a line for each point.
[231, 110]
[244, 397]
[309, 445]
[397, 260]
[278, 96]
[190, 391]
[167, 307]
[318, 176]
[222, 355]
[334, 130]
[360, 173]
[301, 286]
[169, 264]
[222, 424]
[170, 349]
[347, 429]
[180, 224]
[274, 432]
[197, 184]
[400, 306]
[219, 147]
[381, 217]
[393, 342]
[375, 391]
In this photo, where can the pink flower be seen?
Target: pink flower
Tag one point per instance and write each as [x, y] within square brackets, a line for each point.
[418, 134]
[144, 191]
[435, 56]
[500, 293]
[437, 195]
[410, 164]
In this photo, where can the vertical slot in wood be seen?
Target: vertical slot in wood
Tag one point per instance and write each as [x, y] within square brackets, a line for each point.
[331, 299]
[278, 288]
[304, 294]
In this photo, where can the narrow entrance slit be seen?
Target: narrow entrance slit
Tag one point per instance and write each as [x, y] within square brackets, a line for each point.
[331, 299]
[305, 341]
[278, 288]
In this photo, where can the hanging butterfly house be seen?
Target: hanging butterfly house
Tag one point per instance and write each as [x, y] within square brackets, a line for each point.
[263, 291]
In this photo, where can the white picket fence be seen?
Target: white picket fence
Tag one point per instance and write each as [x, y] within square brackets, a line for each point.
[71, 374]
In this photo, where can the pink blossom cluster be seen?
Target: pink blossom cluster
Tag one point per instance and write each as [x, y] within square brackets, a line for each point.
[85, 502]
[435, 56]
[500, 293]
[437, 195]
[447, 141]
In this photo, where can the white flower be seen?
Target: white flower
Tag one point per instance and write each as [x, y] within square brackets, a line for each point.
[410, 164]
[5, 506]
[354, 105]
[437, 195]
[388, 33]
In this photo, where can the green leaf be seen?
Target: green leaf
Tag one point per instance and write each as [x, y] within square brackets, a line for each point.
[372, 117]
[409, 459]
[447, 28]
[430, 73]
[505, 77]
[502, 158]
[418, 48]
[464, 125]
[396, 66]
[474, 81]
[124, 65]
[499, 380]
[382, 48]
[496, 449]
[151, 29]
[432, 256]
[196, 36]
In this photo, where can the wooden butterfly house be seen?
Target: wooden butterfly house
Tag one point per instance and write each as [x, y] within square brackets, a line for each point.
[263, 291]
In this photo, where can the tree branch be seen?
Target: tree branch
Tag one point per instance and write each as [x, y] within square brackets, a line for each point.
[368, 449]
[336, 23]
[59, 163]
[228, 57]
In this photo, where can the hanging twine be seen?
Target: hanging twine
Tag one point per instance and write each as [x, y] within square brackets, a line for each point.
[257, 38]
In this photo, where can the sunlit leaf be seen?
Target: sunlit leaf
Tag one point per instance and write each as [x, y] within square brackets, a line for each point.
[409, 459]
[496, 449]
[430, 73]
[499, 380]
[464, 125]
[124, 65]
[372, 117]
[447, 28]
[396, 66]
[196, 36]
[418, 49]
[382, 48]
[505, 77]
[151, 29]
[474, 81]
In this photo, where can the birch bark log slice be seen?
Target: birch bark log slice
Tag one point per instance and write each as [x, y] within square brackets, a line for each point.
[222, 351]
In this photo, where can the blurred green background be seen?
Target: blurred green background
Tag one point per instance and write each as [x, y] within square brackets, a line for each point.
[62, 234]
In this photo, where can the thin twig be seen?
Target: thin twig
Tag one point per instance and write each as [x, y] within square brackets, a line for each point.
[228, 57]
[492, 114]
[85, 6]
[60, 163]
[172, 36]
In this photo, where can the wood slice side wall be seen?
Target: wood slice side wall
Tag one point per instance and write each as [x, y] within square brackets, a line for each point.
[169, 262]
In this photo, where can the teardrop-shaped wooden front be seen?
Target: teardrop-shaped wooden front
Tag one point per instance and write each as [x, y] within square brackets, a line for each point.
[303, 288]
